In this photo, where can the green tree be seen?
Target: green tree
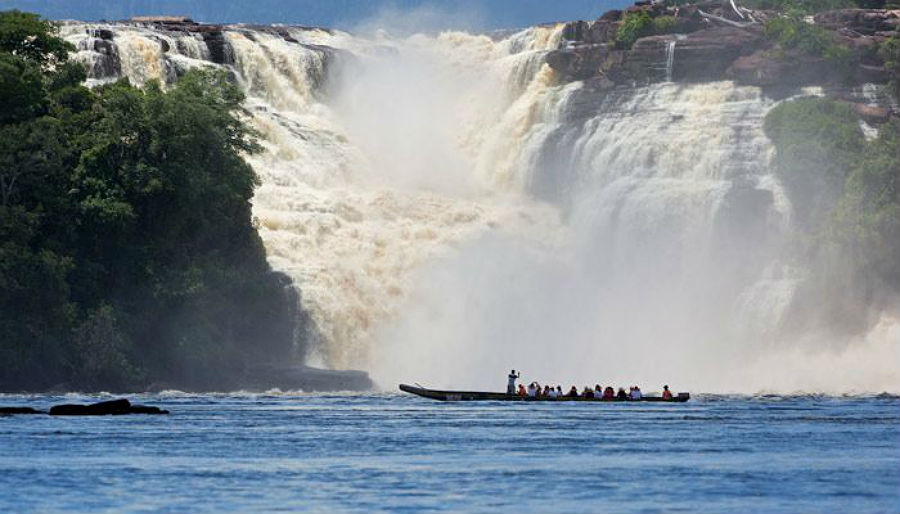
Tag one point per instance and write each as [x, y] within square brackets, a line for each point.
[867, 221]
[26, 35]
[889, 51]
[127, 248]
[817, 141]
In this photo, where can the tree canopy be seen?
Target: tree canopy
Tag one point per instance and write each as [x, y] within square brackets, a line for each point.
[128, 253]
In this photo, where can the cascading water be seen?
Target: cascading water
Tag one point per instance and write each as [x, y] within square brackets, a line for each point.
[670, 59]
[449, 210]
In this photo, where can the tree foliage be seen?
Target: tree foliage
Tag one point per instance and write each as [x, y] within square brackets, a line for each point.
[845, 190]
[127, 248]
[889, 51]
[638, 24]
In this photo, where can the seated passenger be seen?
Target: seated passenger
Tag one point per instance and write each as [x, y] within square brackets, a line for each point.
[621, 395]
[609, 393]
[546, 392]
[521, 391]
[587, 393]
[636, 393]
[573, 393]
[667, 395]
[532, 390]
[598, 391]
[559, 393]
[551, 392]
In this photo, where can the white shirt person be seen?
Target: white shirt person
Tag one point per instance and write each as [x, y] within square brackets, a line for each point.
[511, 385]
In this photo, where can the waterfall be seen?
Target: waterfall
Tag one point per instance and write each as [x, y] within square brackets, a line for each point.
[670, 59]
[448, 208]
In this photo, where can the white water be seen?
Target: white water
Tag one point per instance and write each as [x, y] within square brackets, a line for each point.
[448, 213]
[670, 59]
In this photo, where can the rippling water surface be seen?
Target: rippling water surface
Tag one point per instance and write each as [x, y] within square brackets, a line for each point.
[277, 452]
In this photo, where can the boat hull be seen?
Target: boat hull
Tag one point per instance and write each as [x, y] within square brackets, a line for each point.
[474, 396]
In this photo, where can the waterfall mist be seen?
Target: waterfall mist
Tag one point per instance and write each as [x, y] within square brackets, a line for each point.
[450, 210]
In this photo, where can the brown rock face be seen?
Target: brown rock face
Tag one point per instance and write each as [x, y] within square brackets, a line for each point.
[757, 69]
[706, 54]
[700, 56]
[871, 113]
[766, 68]
[582, 61]
[717, 45]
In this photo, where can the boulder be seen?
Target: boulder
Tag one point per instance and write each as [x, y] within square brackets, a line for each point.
[581, 61]
[599, 31]
[107, 408]
[6, 411]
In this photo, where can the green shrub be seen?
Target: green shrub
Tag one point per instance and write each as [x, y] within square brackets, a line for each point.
[638, 24]
[635, 24]
[791, 32]
[664, 24]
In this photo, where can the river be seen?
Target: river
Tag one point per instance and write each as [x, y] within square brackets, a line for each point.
[396, 453]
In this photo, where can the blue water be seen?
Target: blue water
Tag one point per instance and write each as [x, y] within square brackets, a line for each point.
[228, 453]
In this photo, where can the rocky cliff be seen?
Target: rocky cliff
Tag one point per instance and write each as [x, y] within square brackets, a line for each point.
[711, 41]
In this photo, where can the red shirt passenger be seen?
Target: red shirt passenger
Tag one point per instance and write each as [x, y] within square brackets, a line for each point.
[666, 393]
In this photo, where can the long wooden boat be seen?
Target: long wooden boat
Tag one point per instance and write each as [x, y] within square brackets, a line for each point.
[474, 396]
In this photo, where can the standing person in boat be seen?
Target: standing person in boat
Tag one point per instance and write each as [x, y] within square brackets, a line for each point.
[667, 395]
[511, 385]
[621, 394]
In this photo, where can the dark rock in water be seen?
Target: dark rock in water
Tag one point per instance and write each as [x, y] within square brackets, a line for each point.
[220, 51]
[5, 411]
[146, 409]
[101, 33]
[107, 408]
